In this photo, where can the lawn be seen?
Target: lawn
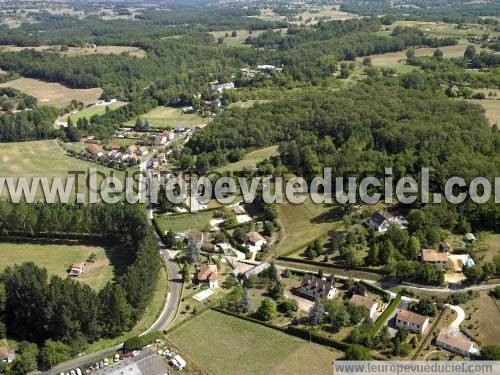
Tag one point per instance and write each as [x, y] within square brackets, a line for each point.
[303, 223]
[53, 93]
[94, 110]
[57, 258]
[251, 159]
[184, 222]
[167, 117]
[227, 345]
[482, 319]
[43, 158]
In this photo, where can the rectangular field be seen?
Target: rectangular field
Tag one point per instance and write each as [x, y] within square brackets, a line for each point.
[91, 111]
[57, 258]
[75, 51]
[166, 117]
[223, 344]
[53, 94]
[184, 222]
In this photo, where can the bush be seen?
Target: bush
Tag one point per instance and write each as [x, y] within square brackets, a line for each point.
[139, 342]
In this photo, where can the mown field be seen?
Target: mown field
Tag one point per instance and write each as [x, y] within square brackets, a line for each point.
[184, 222]
[251, 159]
[226, 345]
[303, 223]
[57, 258]
[238, 40]
[53, 94]
[443, 29]
[166, 117]
[44, 159]
[91, 111]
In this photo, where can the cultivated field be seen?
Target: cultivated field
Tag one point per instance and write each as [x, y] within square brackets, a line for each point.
[75, 51]
[251, 159]
[303, 223]
[443, 29]
[184, 222]
[314, 14]
[492, 107]
[42, 158]
[91, 111]
[227, 345]
[53, 93]
[483, 319]
[57, 258]
[166, 117]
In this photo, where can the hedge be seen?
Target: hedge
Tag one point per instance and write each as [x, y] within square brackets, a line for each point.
[333, 266]
[385, 315]
[377, 290]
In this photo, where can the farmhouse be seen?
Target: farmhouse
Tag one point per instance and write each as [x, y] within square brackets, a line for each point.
[440, 260]
[366, 302]
[208, 275]
[380, 221]
[77, 269]
[7, 355]
[455, 342]
[95, 150]
[411, 321]
[314, 287]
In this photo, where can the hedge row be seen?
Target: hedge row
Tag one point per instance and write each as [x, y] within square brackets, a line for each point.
[377, 290]
[333, 266]
[139, 342]
[385, 315]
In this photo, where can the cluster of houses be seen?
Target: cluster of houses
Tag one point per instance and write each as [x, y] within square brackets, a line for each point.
[132, 153]
[380, 221]
[220, 87]
[164, 138]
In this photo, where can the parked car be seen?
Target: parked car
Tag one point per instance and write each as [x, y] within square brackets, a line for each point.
[117, 357]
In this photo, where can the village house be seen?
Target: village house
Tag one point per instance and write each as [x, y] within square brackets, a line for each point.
[470, 237]
[132, 149]
[380, 221]
[142, 150]
[366, 302]
[411, 321]
[456, 342]
[313, 287]
[114, 155]
[161, 158]
[95, 150]
[195, 237]
[238, 210]
[77, 269]
[440, 260]
[208, 275]
[220, 87]
[7, 355]
[256, 270]
[255, 239]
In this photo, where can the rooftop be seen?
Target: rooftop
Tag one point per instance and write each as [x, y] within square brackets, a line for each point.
[411, 317]
[362, 300]
[434, 256]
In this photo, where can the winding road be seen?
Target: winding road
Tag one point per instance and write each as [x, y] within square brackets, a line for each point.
[166, 316]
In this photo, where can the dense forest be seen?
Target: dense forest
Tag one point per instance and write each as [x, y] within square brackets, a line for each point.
[41, 309]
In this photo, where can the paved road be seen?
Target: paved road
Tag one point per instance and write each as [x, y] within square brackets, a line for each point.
[163, 320]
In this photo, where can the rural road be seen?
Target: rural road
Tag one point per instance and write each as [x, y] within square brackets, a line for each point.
[174, 288]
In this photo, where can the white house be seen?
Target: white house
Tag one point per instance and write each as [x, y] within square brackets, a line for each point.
[456, 342]
[208, 275]
[440, 260]
[220, 87]
[411, 321]
[313, 287]
[379, 221]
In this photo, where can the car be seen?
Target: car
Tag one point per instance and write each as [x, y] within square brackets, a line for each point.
[117, 357]
[73, 372]
[135, 353]
[78, 371]
[101, 363]
[106, 362]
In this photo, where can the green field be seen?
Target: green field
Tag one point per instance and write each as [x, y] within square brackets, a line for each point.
[251, 159]
[42, 158]
[166, 117]
[53, 93]
[492, 108]
[184, 222]
[222, 344]
[303, 223]
[94, 110]
[57, 258]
